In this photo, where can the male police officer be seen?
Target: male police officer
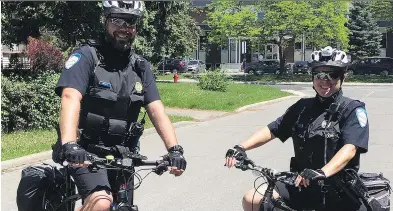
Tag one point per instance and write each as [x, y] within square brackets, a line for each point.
[329, 132]
[103, 87]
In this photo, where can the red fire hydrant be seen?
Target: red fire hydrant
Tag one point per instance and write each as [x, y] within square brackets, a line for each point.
[175, 77]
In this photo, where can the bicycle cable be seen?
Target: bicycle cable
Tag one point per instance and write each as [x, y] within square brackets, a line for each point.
[262, 194]
[256, 190]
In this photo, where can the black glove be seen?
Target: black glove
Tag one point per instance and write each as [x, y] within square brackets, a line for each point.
[311, 174]
[74, 153]
[175, 157]
[238, 152]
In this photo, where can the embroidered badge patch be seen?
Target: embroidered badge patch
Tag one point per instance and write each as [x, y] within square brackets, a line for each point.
[138, 86]
[361, 114]
[74, 58]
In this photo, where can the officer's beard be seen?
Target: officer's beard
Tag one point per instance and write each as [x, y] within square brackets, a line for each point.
[119, 43]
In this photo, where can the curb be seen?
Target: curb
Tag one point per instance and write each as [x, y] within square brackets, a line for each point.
[27, 160]
[295, 94]
[285, 83]
[310, 83]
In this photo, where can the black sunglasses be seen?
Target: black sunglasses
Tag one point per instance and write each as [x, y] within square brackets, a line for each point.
[327, 75]
[128, 23]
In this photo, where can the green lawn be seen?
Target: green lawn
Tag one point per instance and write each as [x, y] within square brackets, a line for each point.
[19, 144]
[307, 78]
[170, 76]
[182, 95]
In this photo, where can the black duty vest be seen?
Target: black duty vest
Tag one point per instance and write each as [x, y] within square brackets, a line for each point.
[112, 102]
[316, 138]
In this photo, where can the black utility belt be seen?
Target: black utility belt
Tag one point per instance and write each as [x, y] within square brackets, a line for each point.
[95, 125]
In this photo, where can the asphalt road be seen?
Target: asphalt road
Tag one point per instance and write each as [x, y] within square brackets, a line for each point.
[208, 185]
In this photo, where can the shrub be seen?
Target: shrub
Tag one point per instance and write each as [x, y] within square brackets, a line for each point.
[44, 56]
[29, 105]
[214, 81]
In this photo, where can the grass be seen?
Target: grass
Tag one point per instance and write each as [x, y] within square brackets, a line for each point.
[170, 76]
[307, 78]
[182, 95]
[20, 144]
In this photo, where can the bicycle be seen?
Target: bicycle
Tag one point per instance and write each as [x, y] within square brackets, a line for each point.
[272, 176]
[123, 193]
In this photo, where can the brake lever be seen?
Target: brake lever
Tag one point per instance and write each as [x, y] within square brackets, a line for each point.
[242, 166]
[160, 169]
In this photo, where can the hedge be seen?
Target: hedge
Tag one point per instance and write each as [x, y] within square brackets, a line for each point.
[29, 104]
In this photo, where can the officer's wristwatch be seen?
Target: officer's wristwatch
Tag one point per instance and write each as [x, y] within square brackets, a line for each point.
[176, 148]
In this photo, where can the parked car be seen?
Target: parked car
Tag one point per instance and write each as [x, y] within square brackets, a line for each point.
[301, 67]
[372, 65]
[266, 66]
[196, 66]
[173, 65]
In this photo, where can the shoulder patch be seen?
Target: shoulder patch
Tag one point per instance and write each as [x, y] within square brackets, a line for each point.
[74, 58]
[361, 114]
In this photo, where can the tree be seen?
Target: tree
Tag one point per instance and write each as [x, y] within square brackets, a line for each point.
[166, 27]
[330, 24]
[382, 10]
[43, 56]
[322, 22]
[71, 22]
[365, 37]
[229, 18]
[287, 19]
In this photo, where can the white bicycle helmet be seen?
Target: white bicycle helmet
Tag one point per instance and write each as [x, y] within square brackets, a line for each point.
[329, 57]
[123, 9]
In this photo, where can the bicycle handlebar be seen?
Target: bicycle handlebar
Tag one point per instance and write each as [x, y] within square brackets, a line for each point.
[272, 175]
[126, 163]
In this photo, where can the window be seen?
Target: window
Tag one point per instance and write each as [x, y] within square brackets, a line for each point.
[298, 45]
[224, 44]
[202, 43]
[269, 48]
[308, 45]
[383, 41]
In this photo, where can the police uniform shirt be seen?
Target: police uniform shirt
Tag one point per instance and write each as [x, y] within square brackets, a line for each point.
[79, 68]
[353, 126]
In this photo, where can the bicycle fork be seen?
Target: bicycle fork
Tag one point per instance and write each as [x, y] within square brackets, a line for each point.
[269, 203]
[124, 198]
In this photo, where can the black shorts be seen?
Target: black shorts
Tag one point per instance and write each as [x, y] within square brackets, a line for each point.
[312, 198]
[88, 181]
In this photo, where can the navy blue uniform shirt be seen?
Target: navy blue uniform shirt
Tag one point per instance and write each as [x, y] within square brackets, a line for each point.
[80, 66]
[354, 127]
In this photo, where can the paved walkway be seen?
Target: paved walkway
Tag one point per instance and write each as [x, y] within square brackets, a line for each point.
[208, 185]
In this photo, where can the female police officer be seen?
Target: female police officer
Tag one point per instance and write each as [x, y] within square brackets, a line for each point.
[329, 131]
[103, 87]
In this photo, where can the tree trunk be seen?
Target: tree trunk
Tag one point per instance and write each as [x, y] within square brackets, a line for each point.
[282, 58]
